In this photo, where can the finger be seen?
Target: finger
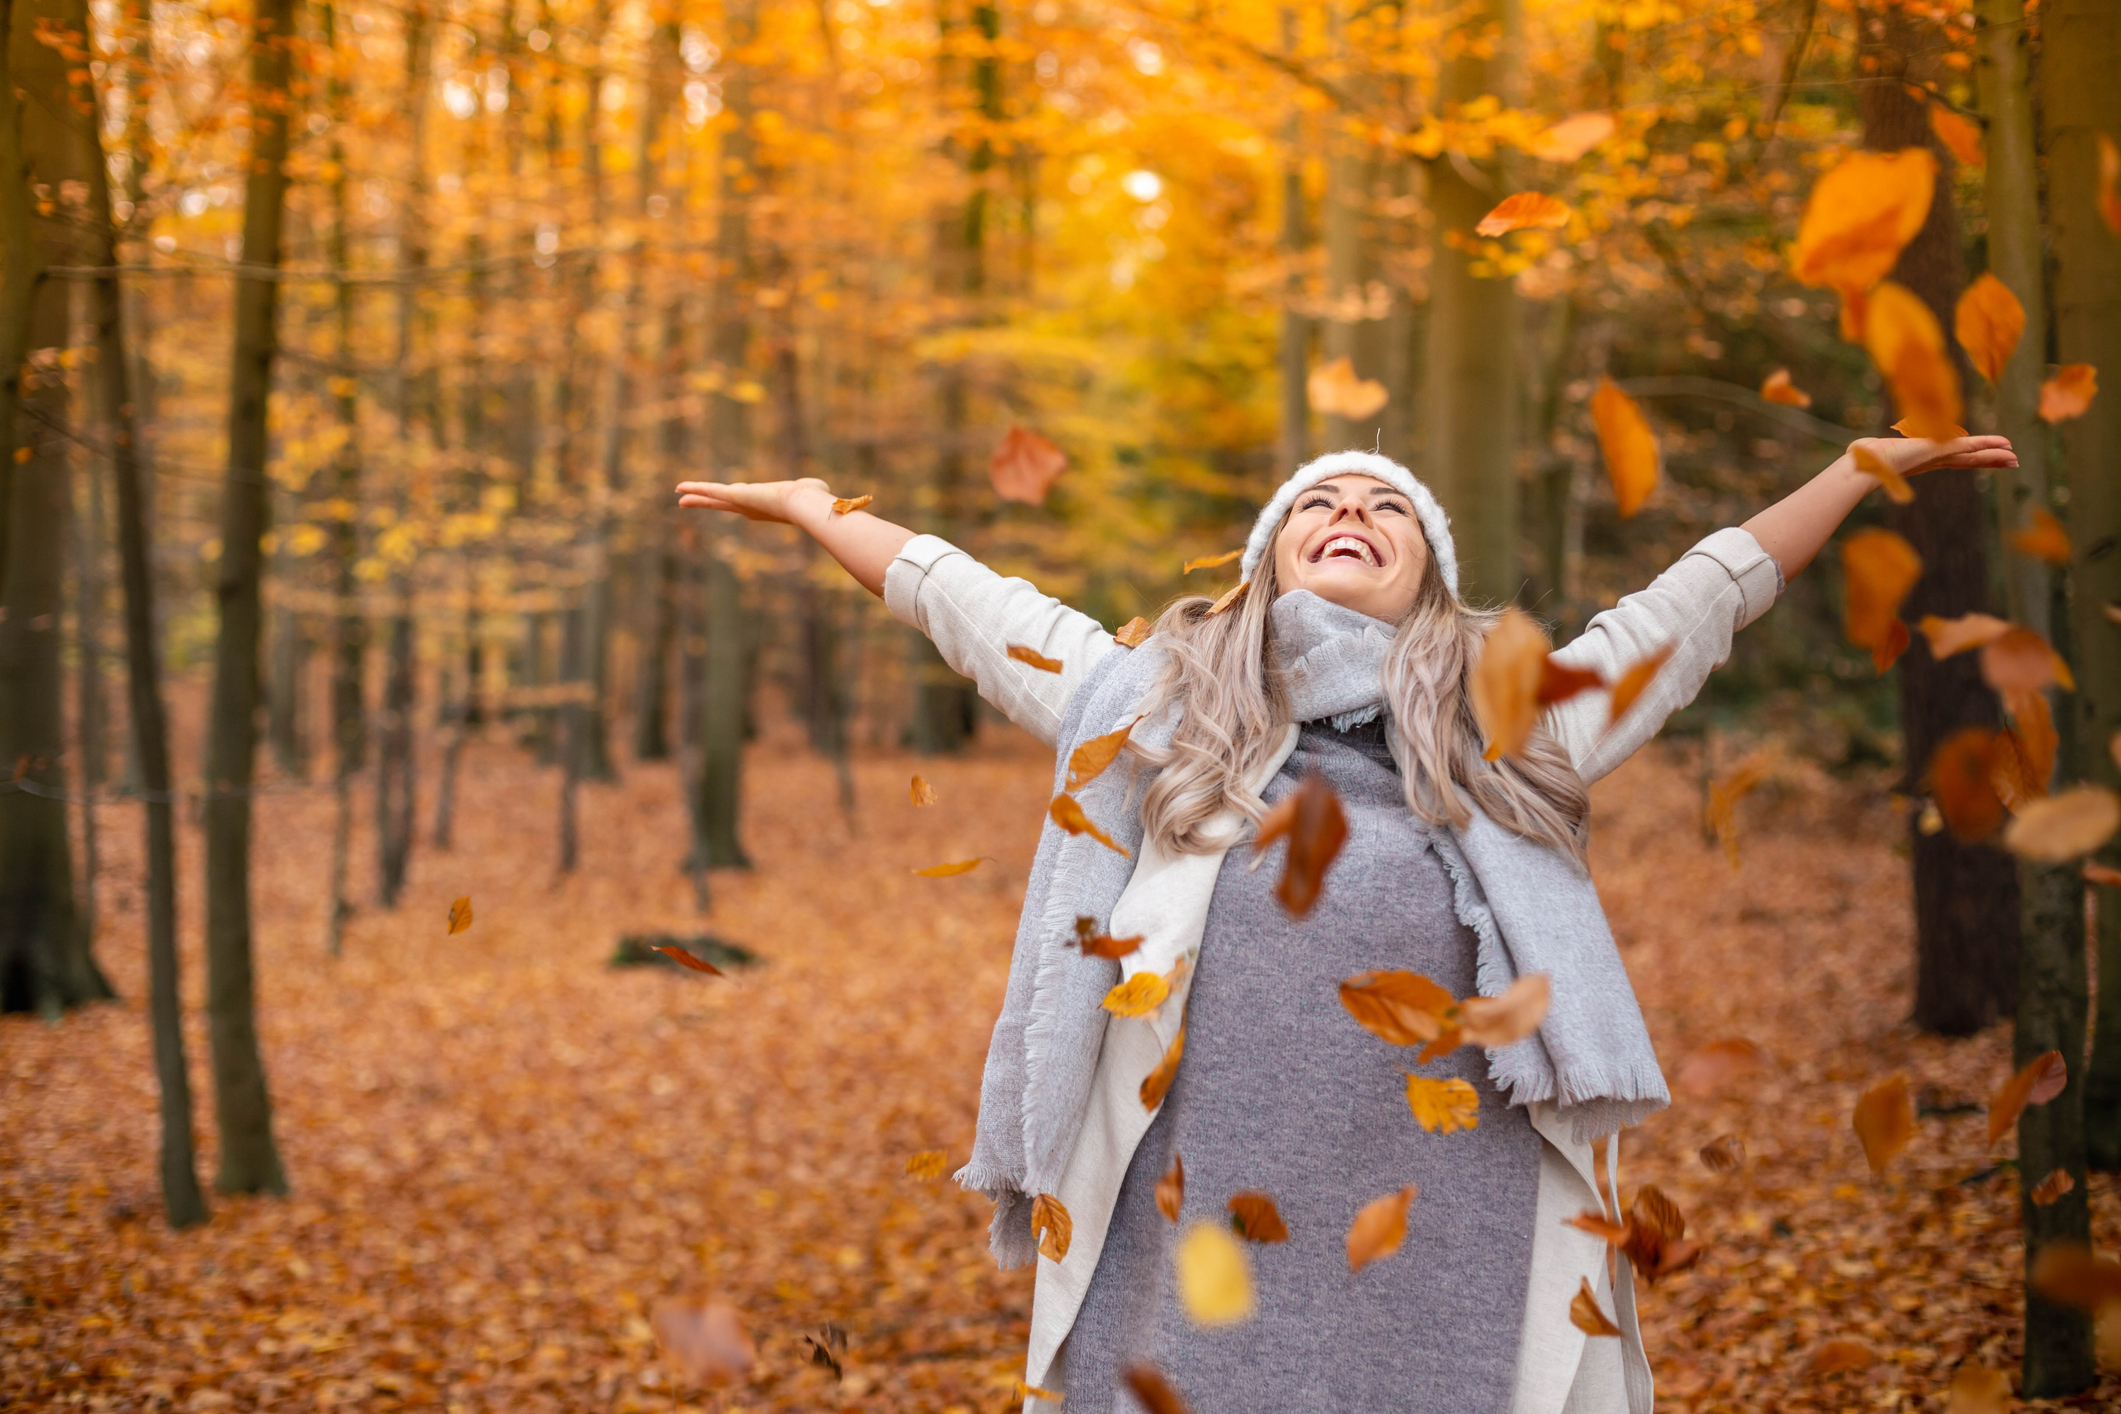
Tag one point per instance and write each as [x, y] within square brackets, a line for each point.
[701, 488]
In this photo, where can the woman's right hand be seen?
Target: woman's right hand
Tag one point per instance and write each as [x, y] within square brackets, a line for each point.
[753, 500]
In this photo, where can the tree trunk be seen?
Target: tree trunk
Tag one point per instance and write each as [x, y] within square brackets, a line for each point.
[19, 273]
[1966, 896]
[349, 625]
[284, 654]
[2081, 54]
[1352, 329]
[88, 539]
[250, 1161]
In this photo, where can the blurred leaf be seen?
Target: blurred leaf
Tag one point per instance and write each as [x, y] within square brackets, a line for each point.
[1157, 1083]
[1214, 1279]
[1139, 995]
[686, 959]
[1380, 1228]
[1096, 944]
[949, 871]
[1961, 777]
[1586, 1315]
[460, 914]
[1718, 1063]
[1880, 470]
[1989, 321]
[2069, 393]
[1572, 137]
[2069, 1275]
[1171, 1190]
[1506, 680]
[1724, 1155]
[1961, 136]
[1025, 466]
[929, 1163]
[2044, 539]
[1310, 816]
[1976, 1389]
[1154, 1391]
[2065, 825]
[1860, 215]
[1878, 569]
[1839, 1356]
[1509, 1018]
[920, 791]
[1335, 391]
[1525, 210]
[1779, 389]
[1034, 658]
[2050, 1190]
[1949, 636]
[704, 1339]
[1254, 1217]
[1628, 445]
[1884, 1120]
[1906, 342]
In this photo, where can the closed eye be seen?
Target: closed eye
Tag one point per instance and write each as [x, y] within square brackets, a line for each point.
[1315, 501]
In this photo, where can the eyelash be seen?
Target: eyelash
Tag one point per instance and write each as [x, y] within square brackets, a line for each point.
[1381, 505]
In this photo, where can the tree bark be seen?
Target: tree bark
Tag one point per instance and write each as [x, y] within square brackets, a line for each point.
[349, 625]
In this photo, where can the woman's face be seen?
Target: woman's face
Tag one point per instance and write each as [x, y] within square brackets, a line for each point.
[1355, 541]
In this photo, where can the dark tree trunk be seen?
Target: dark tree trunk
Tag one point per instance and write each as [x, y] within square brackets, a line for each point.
[395, 764]
[349, 624]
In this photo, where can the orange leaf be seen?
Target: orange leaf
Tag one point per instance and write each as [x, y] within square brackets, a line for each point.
[2025, 756]
[1961, 136]
[951, 871]
[2021, 661]
[1139, 995]
[1154, 1391]
[2070, 1275]
[1254, 1217]
[1628, 445]
[1779, 389]
[1379, 1228]
[1506, 682]
[1880, 470]
[1949, 636]
[460, 914]
[1033, 658]
[846, 504]
[706, 1340]
[2050, 1190]
[1404, 1008]
[1989, 321]
[1558, 682]
[2064, 825]
[1443, 1106]
[1209, 562]
[1878, 570]
[2044, 539]
[1171, 1190]
[1095, 944]
[1024, 1391]
[1133, 633]
[920, 792]
[1524, 210]
[1335, 391]
[1907, 343]
[1585, 1315]
[1312, 818]
[1025, 466]
[1052, 1226]
[1884, 1120]
[1962, 782]
[2103, 875]
[1068, 814]
[1724, 1155]
[1088, 761]
[1509, 1018]
[1597, 1224]
[1636, 678]
[1713, 1066]
[2109, 181]
[1572, 137]
[1885, 654]
[1860, 215]
[1158, 1081]
[1724, 795]
[929, 1163]
[1836, 1356]
[2069, 393]
[1230, 597]
[686, 959]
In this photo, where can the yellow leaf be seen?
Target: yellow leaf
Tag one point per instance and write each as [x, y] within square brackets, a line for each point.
[1860, 215]
[1068, 814]
[1779, 389]
[1139, 995]
[846, 504]
[1571, 138]
[460, 914]
[1628, 445]
[1335, 391]
[1586, 1315]
[1880, 470]
[1214, 1278]
[2069, 393]
[1961, 136]
[1884, 1120]
[1157, 1083]
[1209, 562]
[1024, 1391]
[950, 871]
[920, 791]
[1052, 1226]
[929, 1163]
[1524, 210]
[1989, 321]
[1906, 342]
[1033, 658]
[1133, 633]
[1443, 1106]
[1380, 1228]
[2064, 825]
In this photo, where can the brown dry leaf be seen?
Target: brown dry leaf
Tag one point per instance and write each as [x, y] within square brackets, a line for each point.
[1068, 814]
[1404, 1008]
[1133, 633]
[1209, 562]
[1779, 389]
[1656, 1236]
[1379, 1228]
[1949, 636]
[2035, 1083]
[1723, 1155]
[1088, 761]
[2109, 183]
[1585, 1315]
[1708, 1069]
[951, 871]
[2095, 873]
[1837, 1356]
[1171, 1189]
[1860, 215]
[2064, 825]
[1214, 1277]
[1443, 1106]
[1558, 682]
[846, 505]
[1572, 137]
[2069, 1274]
[1976, 1389]
[1960, 135]
[1509, 1018]
[1096, 944]
[2024, 759]
[1630, 684]
[2069, 393]
[704, 1339]
[1989, 321]
[1312, 818]
[1600, 1226]
[1230, 597]
[1523, 211]
[1033, 658]
[919, 791]
[2050, 1189]
[1880, 470]
[1884, 1120]
[1335, 391]
[1907, 344]
[1154, 1391]
[1254, 1217]
[929, 1163]
[685, 959]
[1025, 466]
[1878, 569]
[1962, 782]
[1052, 1226]
[460, 914]
[1627, 444]
[1139, 995]
[1157, 1083]
[1506, 682]
[2044, 539]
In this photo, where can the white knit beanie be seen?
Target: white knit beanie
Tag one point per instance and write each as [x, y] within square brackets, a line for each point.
[1435, 525]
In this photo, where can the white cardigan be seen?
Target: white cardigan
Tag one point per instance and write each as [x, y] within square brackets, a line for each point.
[974, 616]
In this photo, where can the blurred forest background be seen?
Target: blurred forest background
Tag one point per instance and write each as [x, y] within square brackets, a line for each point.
[352, 348]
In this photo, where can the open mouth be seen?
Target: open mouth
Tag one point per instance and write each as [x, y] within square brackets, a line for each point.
[1347, 547]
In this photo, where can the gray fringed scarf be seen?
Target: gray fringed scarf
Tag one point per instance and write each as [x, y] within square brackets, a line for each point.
[1531, 908]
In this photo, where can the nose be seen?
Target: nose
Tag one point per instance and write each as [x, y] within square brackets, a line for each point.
[1351, 508]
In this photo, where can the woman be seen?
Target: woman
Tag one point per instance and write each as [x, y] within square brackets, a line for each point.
[1347, 656]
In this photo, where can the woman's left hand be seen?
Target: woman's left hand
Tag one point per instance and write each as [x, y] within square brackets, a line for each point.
[1912, 455]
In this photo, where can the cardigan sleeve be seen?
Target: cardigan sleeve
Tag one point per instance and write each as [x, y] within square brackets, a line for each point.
[1696, 606]
[974, 616]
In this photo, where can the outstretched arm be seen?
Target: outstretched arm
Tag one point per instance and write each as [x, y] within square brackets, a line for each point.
[864, 543]
[1795, 527]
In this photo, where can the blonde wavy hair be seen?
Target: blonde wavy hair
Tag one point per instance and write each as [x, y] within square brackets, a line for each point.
[1231, 708]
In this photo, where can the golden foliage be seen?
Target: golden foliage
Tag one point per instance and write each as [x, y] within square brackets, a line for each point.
[1860, 216]
[1443, 1106]
[1214, 1279]
[1989, 320]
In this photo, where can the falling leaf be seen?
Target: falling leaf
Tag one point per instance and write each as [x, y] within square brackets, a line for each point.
[1627, 444]
[1154, 1391]
[1509, 1018]
[1572, 137]
[1068, 814]
[1214, 1278]
[1907, 344]
[1779, 389]
[1558, 682]
[686, 959]
[1088, 761]
[1961, 780]
[2095, 873]
[706, 1340]
[1024, 466]
[1724, 794]
[2070, 1275]
[1171, 1189]
[1837, 1356]
[1884, 655]
[1034, 658]
[1989, 321]
[1906, 430]
[1976, 1389]
[460, 914]
[827, 1346]
[929, 1163]
[1960, 135]
[1585, 1315]
[1209, 562]
[1884, 1121]
[2109, 183]
[2024, 760]
[1523, 211]
[1860, 215]
[1379, 1228]
[2050, 1190]
[1443, 1106]
[1723, 1155]
[1133, 633]
[1157, 1083]
[1230, 596]
[1949, 636]
[1254, 1217]
[1335, 391]
[1052, 1226]
[920, 791]
[1506, 682]
[2036, 1082]
[1600, 1226]
[2065, 825]
[1878, 569]
[1311, 817]
[1631, 683]
[1096, 944]
[951, 871]
[846, 505]
[1711, 1067]
[1880, 470]
[1404, 1008]
[2069, 393]
[2044, 539]
[1139, 995]
[2019, 661]
[1656, 1242]
[1024, 1391]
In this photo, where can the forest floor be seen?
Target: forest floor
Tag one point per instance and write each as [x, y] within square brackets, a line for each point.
[503, 1152]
